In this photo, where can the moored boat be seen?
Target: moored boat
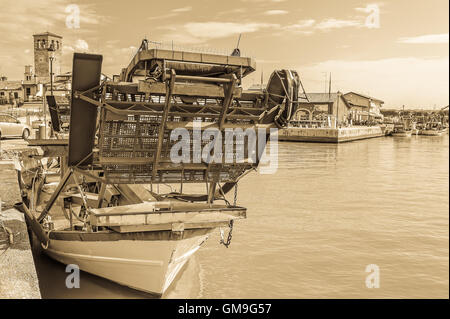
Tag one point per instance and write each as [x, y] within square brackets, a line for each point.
[102, 207]
[431, 132]
[402, 133]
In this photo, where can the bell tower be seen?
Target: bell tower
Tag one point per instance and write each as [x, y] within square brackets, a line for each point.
[46, 45]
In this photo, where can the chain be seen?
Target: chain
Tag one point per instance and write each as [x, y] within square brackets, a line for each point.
[235, 194]
[230, 235]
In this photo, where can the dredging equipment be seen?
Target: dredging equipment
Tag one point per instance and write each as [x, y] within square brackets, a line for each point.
[95, 194]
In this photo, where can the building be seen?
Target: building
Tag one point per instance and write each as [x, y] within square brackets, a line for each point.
[46, 45]
[11, 92]
[321, 106]
[29, 85]
[363, 107]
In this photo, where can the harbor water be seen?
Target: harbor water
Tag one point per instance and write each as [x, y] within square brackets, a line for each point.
[314, 226]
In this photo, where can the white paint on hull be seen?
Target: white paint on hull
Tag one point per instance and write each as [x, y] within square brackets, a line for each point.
[146, 265]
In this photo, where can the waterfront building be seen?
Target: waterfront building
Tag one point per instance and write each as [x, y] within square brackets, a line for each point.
[363, 107]
[322, 105]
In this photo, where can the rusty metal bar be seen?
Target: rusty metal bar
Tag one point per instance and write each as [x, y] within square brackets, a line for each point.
[55, 194]
[202, 79]
[162, 126]
[228, 91]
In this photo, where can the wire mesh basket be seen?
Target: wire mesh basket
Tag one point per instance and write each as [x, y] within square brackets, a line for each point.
[127, 150]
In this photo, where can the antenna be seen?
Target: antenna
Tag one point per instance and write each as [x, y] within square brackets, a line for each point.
[329, 87]
[239, 40]
[262, 78]
[236, 51]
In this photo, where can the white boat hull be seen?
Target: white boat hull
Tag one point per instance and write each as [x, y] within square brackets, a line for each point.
[146, 265]
[431, 132]
[402, 134]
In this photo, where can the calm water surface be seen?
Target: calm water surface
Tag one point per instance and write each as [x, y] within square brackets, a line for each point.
[314, 226]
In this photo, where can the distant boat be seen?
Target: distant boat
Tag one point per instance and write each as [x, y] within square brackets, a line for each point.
[432, 132]
[402, 133]
[400, 130]
[433, 129]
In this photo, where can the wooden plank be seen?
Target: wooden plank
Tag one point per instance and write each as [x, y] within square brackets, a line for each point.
[168, 226]
[48, 142]
[123, 218]
[188, 89]
[166, 206]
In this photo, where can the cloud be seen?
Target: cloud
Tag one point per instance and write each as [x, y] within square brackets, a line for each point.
[332, 23]
[198, 32]
[171, 14]
[427, 39]
[300, 26]
[275, 12]
[412, 81]
[183, 9]
[81, 45]
[259, 1]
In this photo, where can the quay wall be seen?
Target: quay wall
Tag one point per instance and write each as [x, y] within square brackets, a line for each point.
[18, 277]
[330, 135]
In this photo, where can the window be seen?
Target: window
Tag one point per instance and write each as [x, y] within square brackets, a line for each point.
[2, 93]
[10, 119]
[16, 95]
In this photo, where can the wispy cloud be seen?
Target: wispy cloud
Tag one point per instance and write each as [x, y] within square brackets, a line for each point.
[259, 1]
[426, 79]
[173, 13]
[426, 39]
[275, 12]
[198, 32]
[332, 23]
[183, 9]
[81, 45]
[301, 26]
[308, 26]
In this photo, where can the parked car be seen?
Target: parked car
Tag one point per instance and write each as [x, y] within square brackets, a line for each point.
[12, 127]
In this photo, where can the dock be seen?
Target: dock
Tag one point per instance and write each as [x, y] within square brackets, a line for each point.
[332, 135]
[18, 277]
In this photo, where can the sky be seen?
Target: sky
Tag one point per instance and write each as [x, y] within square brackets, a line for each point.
[396, 50]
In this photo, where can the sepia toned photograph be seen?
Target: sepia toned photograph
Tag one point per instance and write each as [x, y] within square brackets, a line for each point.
[224, 150]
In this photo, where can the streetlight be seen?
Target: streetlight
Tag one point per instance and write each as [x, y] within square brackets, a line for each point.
[51, 56]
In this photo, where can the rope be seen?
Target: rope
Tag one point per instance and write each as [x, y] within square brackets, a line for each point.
[9, 237]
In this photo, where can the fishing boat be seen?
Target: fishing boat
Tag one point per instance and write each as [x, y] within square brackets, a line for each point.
[433, 129]
[431, 132]
[108, 195]
[402, 133]
[401, 130]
